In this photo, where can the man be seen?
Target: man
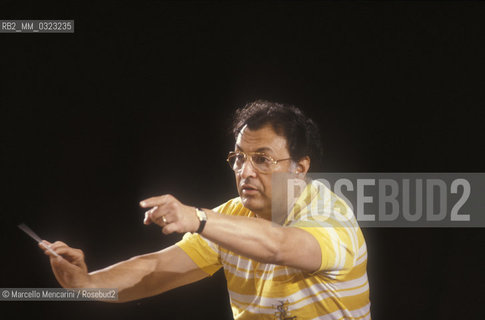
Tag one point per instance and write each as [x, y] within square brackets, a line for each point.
[312, 266]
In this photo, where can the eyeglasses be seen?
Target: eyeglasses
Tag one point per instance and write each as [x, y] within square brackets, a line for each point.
[259, 160]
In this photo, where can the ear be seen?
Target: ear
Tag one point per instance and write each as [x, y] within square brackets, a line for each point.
[303, 165]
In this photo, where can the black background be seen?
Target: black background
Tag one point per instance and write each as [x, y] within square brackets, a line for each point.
[138, 102]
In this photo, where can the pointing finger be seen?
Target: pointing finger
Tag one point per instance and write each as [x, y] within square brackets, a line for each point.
[155, 201]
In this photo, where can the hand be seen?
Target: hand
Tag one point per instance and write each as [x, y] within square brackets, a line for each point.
[170, 214]
[69, 269]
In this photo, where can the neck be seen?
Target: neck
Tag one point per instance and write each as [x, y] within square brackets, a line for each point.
[260, 214]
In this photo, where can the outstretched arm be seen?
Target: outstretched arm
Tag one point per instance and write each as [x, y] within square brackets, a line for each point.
[139, 277]
[257, 239]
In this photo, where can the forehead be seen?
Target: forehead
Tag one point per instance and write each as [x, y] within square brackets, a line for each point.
[263, 139]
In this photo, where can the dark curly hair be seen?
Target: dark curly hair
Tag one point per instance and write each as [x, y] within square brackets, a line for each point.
[301, 133]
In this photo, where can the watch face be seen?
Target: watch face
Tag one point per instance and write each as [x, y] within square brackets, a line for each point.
[201, 215]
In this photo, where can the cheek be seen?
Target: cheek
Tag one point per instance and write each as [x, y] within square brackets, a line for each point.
[238, 178]
[266, 184]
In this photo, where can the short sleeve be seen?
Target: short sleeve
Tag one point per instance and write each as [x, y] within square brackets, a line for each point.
[203, 252]
[337, 244]
[331, 222]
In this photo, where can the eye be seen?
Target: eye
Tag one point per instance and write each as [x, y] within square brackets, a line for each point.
[236, 160]
[239, 157]
[261, 159]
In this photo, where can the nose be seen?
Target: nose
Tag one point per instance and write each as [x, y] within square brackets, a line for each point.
[247, 170]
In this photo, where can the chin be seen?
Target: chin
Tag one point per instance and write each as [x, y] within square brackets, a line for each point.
[251, 203]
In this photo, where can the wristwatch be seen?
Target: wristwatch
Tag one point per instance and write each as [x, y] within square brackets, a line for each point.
[202, 216]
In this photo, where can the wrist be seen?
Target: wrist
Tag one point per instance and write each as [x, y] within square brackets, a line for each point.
[202, 218]
[91, 282]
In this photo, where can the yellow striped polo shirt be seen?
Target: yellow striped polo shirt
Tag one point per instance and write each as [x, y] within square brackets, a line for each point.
[338, 290]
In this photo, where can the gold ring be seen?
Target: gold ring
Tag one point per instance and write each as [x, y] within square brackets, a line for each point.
[164, 220]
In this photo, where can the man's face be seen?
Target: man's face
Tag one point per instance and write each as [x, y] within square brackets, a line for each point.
[253, 186]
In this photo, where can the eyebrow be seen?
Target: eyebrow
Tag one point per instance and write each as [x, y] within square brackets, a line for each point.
[262, 149]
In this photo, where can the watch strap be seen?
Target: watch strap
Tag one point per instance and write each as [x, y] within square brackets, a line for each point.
[202, 216]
